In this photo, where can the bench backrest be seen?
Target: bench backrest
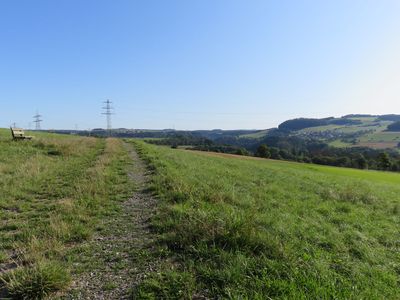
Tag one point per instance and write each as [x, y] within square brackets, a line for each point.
[17, 133]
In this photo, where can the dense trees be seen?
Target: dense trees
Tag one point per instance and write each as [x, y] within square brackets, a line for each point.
[384, 161]
[392, 117]
[182, 139]
[263, 151]
[362, 163]
[301, 123]
[394, 126]
[295, 149]
[298, 124]
[344, 121]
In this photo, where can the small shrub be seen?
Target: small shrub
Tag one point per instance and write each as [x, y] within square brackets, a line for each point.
[79, 232]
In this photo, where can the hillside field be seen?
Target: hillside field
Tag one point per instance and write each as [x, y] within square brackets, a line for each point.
[248, 228]
[367, 132]
[370, 133]
[225, 226]
[54, 192]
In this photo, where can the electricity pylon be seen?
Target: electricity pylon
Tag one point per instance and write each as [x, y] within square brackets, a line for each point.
[108, 111]
[37, 121]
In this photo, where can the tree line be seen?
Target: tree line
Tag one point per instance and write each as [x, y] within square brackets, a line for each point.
[291, 148]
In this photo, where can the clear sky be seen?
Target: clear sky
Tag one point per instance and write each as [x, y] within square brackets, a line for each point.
[196, 64]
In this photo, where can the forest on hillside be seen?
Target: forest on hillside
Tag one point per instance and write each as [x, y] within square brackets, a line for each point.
[291, 148]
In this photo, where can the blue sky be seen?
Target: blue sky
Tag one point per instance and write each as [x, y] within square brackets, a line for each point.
[196, 64]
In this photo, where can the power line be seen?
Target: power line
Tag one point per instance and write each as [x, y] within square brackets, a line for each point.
[37, 121]
[108, 111]
[150, 110]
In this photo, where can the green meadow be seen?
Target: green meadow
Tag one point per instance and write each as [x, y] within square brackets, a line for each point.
[225, 227]
[257, 135]
[54, 191]
[245, 228]
[384, 136]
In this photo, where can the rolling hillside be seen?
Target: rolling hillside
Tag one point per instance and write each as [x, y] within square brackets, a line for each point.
[73, 224]
[348, 131]
[371, 132]
[250, 228]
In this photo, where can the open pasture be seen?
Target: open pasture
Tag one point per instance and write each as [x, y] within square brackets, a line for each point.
[260, 229]
[54, 189]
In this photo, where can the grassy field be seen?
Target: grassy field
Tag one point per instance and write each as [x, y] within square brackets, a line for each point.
[257, 135]
[321, 128]
[339, 144]
[379, 139]
[247, 228]
[227, 226]
[384, 136]
[54, 190]
[366, 125]
[371, 132]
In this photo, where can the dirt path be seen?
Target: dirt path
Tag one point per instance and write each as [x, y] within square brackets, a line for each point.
[119, 254]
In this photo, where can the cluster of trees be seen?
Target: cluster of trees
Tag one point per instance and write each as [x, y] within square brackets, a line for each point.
[291, 148]
[392, 117]
[394, 126]
[223, 149]
[361, 158]
[301, 123]
[194, 142]
[182, 139]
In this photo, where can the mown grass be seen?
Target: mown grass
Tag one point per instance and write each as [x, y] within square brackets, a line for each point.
[383, 136]
[54, 189]
[256, 135]
[259, 229]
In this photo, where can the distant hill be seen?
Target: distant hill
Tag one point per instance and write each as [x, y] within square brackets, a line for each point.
[160, 133]
[355, 130]
[394, 118]
[302, 123]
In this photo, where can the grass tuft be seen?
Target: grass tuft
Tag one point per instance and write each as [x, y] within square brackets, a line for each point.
[3, 257]
[354, 193]
[166, 285]
[37, 281]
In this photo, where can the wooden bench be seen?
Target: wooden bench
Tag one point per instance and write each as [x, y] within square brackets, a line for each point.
[19, 134]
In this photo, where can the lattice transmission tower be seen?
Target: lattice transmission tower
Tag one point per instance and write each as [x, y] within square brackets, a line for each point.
[37, 120]
[108, 111]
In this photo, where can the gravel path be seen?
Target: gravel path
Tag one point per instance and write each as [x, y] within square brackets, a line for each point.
[120, 253]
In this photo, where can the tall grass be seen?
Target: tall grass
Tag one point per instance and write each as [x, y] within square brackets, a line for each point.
[259, 229]
[54, 191]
